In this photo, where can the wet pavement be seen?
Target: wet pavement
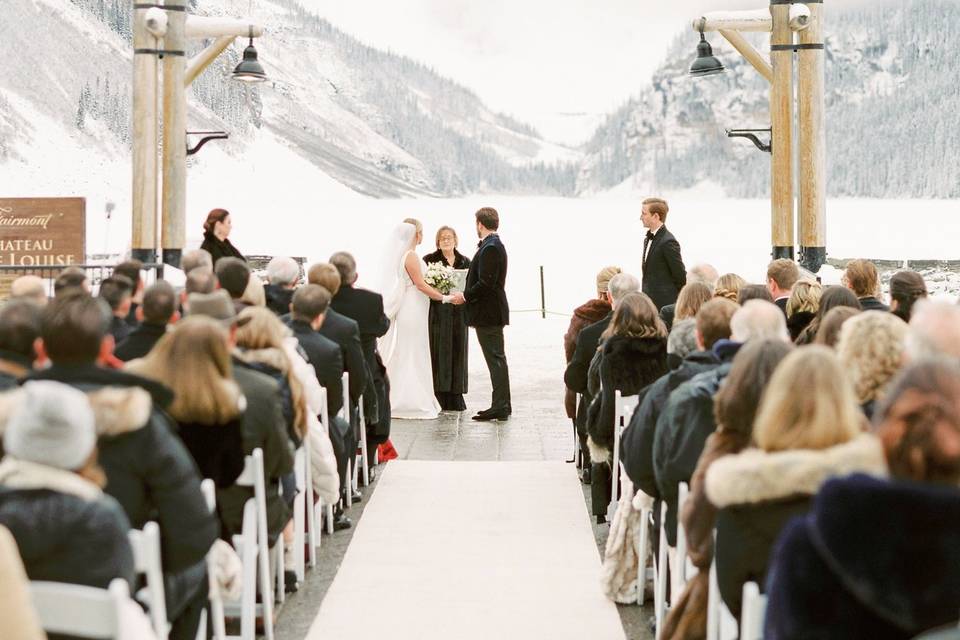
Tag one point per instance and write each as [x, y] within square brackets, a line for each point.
[537, 430]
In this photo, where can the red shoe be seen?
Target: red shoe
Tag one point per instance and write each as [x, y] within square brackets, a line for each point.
[386, 452]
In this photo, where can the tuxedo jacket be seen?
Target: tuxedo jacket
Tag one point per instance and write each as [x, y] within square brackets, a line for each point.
[486, 301]
[366, 308]
[346, 334]
[663, 271]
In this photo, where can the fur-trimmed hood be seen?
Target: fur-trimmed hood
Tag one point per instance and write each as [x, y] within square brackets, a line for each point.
[754, 476]
[117, 410]
[21, 474]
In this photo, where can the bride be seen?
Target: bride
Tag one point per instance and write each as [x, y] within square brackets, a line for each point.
[405, 348]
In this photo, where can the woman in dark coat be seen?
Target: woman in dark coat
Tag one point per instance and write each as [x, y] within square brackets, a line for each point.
[216, 231]
[632, 355]
[880, 558]
[448, 331]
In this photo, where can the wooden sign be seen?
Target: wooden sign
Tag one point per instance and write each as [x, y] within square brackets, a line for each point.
[42, 232]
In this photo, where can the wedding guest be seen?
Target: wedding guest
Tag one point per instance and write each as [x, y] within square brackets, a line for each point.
[728, 286]
[117, 291]
[233, 275]
[693, 296]
[871, 350]
[19, 329]
[132, 270]
[934, 330]
[878, 558]
[29, 288]
[831, 296]
[254, 295]
[802, 306]
[833, 321]
[782, 274]
[71, 278]
[193, 361]
[194, 259]
[448, 330]
[592, 311]
[753, 292]
[861, 277]
[366, 309]
[216, 234]
[159, 310]
[283, 275]
[906, 287]
[704, 273]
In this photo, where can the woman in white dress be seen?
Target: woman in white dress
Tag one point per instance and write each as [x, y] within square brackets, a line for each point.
[405, 349]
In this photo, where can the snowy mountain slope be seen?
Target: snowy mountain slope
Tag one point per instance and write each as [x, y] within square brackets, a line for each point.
[891, 112]
[382, 125]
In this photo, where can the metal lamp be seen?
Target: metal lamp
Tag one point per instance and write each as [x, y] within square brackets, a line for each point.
[250, 69]
[705, 64]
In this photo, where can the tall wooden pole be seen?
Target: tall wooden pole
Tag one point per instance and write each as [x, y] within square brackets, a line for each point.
[813, 142]
[144, 202]
[781, 125]
[174, 231]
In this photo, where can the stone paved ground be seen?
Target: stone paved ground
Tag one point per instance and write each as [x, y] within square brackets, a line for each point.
[537, 430]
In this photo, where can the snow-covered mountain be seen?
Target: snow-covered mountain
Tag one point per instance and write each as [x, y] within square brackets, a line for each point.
[380, 124]
[892, 107]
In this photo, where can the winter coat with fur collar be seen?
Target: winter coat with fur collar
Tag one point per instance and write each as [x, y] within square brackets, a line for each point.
[872, 559]
[627, 365]
[759, 492]
[66, 529]
[583, 316]
[149, 471]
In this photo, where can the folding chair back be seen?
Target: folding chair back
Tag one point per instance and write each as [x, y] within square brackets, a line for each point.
[753, 612]
[253, 475]
[680, 566]
[214, 617]
[345, 414]
[300, 510]
[721, 625]
[660, 584]
[146, 562]
[624, 407]
[247, 548]
[83, 612]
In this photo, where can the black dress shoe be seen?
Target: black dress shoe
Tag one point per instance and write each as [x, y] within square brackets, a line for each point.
[356, 497]
[290, 584]
[499, 416]
[341, 522]
[485, 412]
[585, 476]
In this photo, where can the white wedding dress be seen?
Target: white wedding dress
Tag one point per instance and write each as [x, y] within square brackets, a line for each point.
[405, 349]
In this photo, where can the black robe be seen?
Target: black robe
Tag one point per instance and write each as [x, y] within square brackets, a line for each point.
[448, 343]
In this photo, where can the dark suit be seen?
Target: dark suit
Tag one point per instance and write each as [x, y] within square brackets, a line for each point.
[327, 360]
[487, 311]
[575, 376]
[346, 333]
[782, 303]
[140, 341]
[663, 271]
[366, 308]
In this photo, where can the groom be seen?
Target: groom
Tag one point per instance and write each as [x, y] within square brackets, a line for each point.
[487, 311]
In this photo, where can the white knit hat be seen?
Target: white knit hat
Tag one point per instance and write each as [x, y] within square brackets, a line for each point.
[51, 424]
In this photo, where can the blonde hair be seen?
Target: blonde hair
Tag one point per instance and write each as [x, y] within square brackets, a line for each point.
[254, 294]
[259, 328]
[871, 349]
[636, 317]
[194, 362]
[604, 277]
[804, 297]
[693, 296]
[456, 239]
[808, 404]
[419, 225]
[728, 286]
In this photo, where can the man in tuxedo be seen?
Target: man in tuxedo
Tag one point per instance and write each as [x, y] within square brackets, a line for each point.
[366, 308]
[663, 271]
[782, 274]
[487, 310]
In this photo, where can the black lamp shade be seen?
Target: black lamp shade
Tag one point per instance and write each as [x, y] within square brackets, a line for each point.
[250, 69]
[705, 64]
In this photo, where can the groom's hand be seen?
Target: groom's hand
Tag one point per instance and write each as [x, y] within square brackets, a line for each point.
[458, 298]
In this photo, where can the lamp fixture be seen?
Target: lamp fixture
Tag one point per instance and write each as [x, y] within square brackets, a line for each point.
[705, 64]
[250, 70]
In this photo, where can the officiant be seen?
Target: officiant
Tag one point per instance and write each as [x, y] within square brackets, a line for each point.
[448, 330]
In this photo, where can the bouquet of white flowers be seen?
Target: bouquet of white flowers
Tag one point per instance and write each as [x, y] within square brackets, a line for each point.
[440, 277]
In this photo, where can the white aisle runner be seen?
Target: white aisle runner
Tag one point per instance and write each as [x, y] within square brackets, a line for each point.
[484, 550]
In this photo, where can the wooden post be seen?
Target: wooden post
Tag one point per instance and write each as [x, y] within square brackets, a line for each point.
[144, 202]
[543, 296]
[813, 153]
[174, 230]
[781, 125]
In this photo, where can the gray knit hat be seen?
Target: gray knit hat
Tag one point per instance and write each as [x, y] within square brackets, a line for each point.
[51, 424]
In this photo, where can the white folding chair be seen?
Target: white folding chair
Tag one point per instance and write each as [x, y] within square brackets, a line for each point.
[324, 511]
[146, 562]
[660, 584]
[80, 611]
[680, 565]
[313, 535]
[624, 407]
[752, 613]
[351, 461]
[253, 475]
[247, 548]
[643, 543]
[364, 460]
[215, 617]
[300, 463]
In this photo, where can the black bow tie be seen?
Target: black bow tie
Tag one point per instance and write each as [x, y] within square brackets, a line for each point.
[650, 235]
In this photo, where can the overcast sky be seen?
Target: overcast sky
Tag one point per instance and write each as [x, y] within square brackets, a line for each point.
[530, 58]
